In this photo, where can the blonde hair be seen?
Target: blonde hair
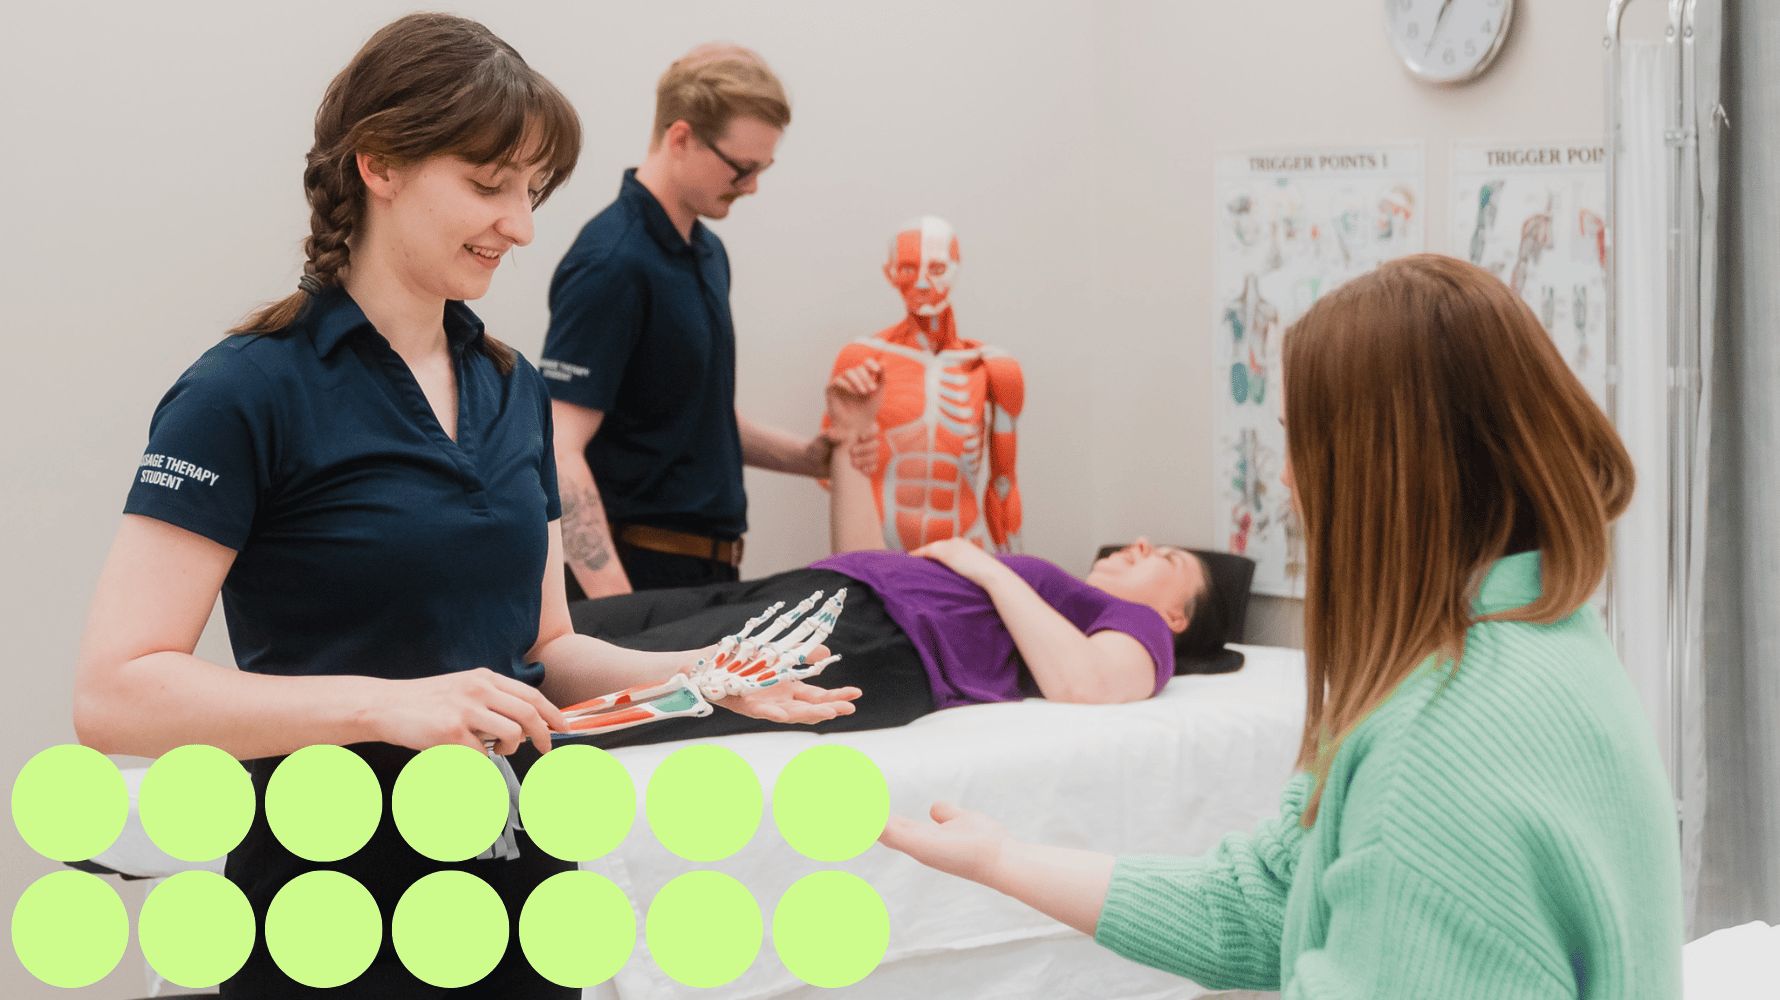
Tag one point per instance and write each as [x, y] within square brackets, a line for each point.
[713, 85]
[1432, 428]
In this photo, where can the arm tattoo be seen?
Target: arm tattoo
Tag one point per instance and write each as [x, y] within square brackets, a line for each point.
[585, 538]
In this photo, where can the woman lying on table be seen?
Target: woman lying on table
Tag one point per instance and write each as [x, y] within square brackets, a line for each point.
[1482, 811]
[945, 625]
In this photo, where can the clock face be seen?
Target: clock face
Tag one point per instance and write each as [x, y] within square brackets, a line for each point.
[1447, 41]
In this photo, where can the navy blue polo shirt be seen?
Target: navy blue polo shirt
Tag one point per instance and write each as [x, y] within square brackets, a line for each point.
[640, 330]
[367, 541]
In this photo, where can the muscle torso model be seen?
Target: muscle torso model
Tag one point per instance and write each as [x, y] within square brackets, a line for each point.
[946, 443]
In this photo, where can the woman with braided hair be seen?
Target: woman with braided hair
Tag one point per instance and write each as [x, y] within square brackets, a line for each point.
[366, 477]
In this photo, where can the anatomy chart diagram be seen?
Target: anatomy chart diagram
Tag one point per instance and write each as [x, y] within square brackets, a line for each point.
[1534, 215]
[1290, 226]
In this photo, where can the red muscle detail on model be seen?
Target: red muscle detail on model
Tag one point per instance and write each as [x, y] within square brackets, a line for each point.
[1006, 384]
[609, 721]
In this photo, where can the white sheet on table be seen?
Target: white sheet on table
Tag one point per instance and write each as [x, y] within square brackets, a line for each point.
[133, 853]
[1169, 775]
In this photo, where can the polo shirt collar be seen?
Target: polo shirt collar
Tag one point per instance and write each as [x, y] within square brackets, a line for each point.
[336, 315]
[656, 221]
[1513, 582]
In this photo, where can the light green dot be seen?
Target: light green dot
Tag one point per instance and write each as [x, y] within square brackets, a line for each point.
[831, 929]
[703, 929]
[196, 929]
[449, 929]
[323, 929]
[704, 802]
[69, 929]
[196, 802]
[577, 803]
[449, 802]
[577, 928]
[69, 802]
[323, 803]
[831, 803]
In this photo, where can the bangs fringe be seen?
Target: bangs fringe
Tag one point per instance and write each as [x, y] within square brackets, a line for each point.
[505, 111]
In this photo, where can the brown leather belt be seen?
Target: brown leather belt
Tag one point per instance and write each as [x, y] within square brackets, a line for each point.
[682, 543]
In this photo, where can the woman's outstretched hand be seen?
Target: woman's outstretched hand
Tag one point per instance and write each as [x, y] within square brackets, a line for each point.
[1066, 884]
[958, 842]
[792, 701]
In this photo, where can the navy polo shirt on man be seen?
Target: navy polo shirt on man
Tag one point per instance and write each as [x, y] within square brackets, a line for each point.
[640, 330]
[367, 541]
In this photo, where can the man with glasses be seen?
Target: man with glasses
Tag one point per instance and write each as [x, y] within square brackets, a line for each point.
[641, 349]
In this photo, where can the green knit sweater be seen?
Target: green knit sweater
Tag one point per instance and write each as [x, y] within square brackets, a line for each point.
[1502, 830]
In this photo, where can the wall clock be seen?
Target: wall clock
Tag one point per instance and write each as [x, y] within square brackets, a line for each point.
[1447, 41]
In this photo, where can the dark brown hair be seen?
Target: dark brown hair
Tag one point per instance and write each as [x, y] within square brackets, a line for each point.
[1432, 428]
[425, 85]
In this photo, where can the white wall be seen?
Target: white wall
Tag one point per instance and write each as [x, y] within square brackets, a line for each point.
[152, 178]
[1176, 83]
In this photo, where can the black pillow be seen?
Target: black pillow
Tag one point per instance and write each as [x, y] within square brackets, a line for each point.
[1220, 618]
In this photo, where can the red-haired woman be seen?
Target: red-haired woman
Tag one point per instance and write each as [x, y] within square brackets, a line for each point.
[366, 477]
[1482, 811]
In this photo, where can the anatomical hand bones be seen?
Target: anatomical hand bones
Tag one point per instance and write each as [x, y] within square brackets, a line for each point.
[741, 663]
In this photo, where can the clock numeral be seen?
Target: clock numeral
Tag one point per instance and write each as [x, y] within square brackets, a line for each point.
[1470, 47]
[1488, 28]
[1415, 30]
[1447, 55]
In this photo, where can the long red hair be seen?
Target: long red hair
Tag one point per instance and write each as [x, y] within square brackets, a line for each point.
[1432, 428]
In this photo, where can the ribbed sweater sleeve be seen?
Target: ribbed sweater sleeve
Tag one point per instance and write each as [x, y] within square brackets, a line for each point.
[1395, 935]
[1214, 919]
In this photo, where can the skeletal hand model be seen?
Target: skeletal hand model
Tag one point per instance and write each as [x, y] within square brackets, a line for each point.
[742, 662]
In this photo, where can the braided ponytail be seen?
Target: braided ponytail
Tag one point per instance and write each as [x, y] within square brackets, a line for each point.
[425, 85]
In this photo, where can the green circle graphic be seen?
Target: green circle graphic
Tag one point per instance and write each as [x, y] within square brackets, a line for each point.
[69, 928]
[831, 929]
[577, 928]
[577, 802]
[196, 929]
[69, 802]
[196, 802]
[831, 803]
[449, 929]
[323, 803]
[703, 929]
[323, 929]
[704, 802]
[449, 802]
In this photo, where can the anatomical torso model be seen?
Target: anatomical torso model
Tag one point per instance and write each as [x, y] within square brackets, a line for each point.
[946, 442]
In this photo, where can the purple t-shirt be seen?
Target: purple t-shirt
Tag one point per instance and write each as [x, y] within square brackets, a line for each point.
[969, 654]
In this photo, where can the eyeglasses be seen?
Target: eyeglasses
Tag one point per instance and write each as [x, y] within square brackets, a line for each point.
[741, 173]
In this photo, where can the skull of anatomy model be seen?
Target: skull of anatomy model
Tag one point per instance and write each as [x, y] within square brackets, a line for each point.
[923, 264]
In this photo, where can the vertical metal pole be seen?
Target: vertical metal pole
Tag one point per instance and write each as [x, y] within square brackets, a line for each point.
[1615, 142]
[1684, 333]
[1682, 250]
[1680, 137]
